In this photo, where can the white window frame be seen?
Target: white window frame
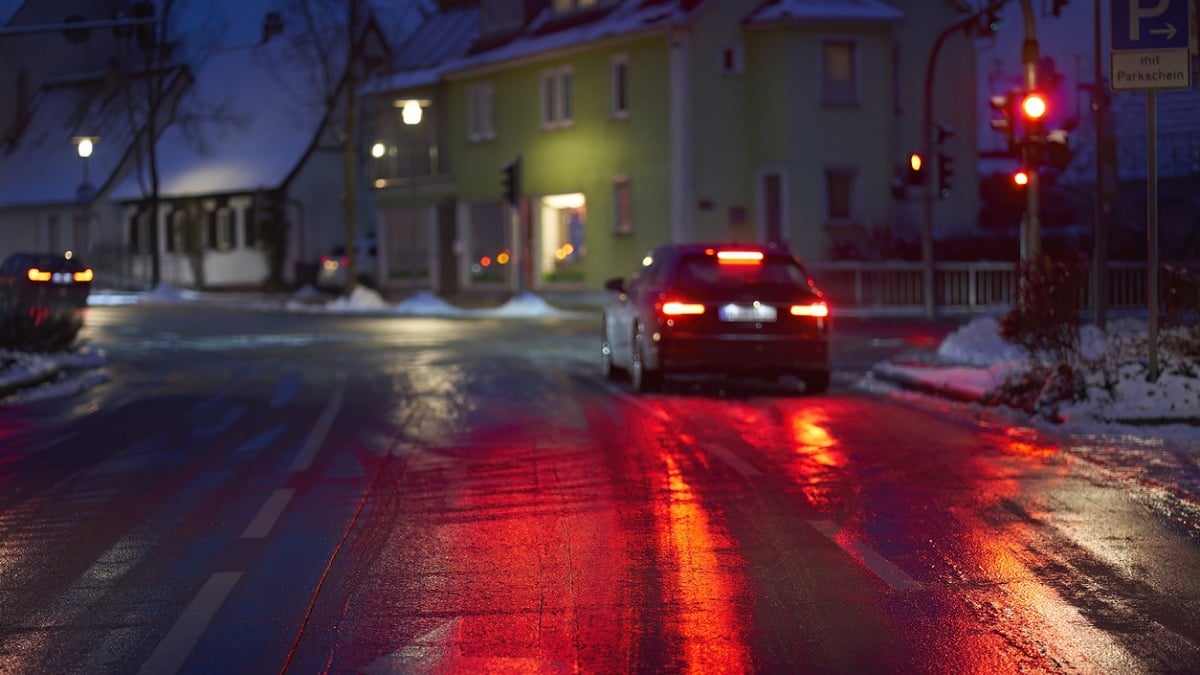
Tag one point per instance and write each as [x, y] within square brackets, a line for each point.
[760, 201]
[828, 97]
[618, 67]
[481, 111]
[851, 175]
[556, 103]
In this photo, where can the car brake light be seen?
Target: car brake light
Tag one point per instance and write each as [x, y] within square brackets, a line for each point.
[84, 276]
[676, 308]
[739, 257]
[817, 309]
[35, 274]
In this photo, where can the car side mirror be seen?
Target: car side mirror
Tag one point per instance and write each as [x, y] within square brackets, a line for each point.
[615, 284]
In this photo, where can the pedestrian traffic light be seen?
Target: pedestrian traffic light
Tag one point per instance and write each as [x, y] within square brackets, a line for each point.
[945, 173]
[512, 181]
[1005, 104]
[916, 169]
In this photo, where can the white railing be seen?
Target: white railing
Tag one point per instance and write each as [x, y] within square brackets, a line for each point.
[897, 288]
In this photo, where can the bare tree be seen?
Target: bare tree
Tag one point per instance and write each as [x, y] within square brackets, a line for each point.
[340, 43]
[154, 64]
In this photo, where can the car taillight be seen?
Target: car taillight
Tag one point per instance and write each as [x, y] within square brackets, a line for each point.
[817, 309]
[35, 274]
[84, 276]
[677, 308]
[740, 257]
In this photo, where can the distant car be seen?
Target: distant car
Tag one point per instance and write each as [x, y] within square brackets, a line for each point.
[42, 299]
[331, 271]
[717, 309]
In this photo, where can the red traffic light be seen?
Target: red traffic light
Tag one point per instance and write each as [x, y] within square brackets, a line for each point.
[1034, 106]
[915, 161]
[1021, 178]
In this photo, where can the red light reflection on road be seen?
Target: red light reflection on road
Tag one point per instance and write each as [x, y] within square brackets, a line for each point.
[1018, 441]
[712, 638]
[818, 454]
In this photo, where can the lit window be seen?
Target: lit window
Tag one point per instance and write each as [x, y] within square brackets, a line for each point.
[481, 111]
[839, 195]
[622, 206]
[556, 106]
[839, 81]
[620, 85]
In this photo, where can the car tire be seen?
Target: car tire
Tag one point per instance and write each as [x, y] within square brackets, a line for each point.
[644, 380]
[607, 369]
[815, 382]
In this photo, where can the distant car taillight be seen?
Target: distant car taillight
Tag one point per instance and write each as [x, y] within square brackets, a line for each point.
[84, 276]
[817, 309]
[740, 257]
[42, 276]
[677, 308]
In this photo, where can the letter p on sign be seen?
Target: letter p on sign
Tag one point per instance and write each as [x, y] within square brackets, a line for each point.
[1137, 13]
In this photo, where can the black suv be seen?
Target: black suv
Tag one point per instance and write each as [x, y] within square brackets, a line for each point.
[42, 300]
[720, 309]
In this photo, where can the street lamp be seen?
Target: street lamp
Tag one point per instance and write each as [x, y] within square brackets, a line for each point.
[85, 146]
[411, 113]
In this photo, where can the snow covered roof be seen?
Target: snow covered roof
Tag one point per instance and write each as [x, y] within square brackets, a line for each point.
[260, 131]
[438, 42]
[43, 165]
[776, 11]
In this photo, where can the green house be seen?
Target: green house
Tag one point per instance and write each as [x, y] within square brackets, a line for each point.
[629, 123]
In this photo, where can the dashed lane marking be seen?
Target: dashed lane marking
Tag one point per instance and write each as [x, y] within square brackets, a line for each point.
[882, 567]
[316, 437]
[173, 651]
[269, 514]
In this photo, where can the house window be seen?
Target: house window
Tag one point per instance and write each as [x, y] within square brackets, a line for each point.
[839, 81]
[220, 229]
[176, 231]
[622, 206]
[252, 231]
[619, 68]
[481, 111]
[733, 59]
[557, 111]
[839, 195]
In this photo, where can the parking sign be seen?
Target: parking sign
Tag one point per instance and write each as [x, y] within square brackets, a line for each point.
[1149, 44]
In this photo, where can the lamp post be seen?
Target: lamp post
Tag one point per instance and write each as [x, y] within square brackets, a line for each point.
[411, 113]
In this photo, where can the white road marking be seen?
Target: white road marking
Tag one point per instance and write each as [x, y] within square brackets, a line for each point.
[321, 429]
[175, 647]
[426, 654]
[882, 567]
[269, 514]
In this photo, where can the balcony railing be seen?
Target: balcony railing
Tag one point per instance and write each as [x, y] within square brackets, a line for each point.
[896, 288]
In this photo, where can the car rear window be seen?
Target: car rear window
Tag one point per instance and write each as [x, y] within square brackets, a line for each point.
[704, 272]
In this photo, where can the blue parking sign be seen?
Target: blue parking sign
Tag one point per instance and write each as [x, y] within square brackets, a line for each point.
[1149, 24]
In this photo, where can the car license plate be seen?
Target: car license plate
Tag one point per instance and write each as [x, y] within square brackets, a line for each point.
[755, 312]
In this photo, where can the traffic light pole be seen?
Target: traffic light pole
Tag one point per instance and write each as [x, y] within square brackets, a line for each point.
[927, 276]
[1031, 234]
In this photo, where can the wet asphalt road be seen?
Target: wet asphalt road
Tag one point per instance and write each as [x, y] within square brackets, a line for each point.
[257, 492]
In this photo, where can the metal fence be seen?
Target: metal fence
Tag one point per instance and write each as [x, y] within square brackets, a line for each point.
[897, 288]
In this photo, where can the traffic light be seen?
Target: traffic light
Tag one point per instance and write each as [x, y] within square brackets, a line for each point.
[1033, 114]
[512, 181]
[916, 169]
[945, 173]
[1005, 104]
[1058, 148]
[1020, 178]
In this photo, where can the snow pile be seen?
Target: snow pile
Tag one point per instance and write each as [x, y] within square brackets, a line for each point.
[361, 299]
